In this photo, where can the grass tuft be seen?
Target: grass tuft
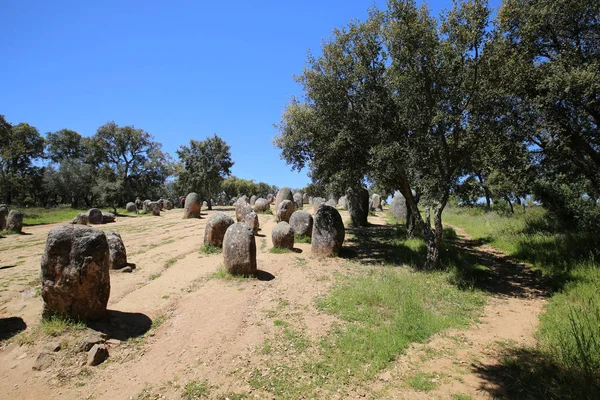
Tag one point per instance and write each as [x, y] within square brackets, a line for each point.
[55, 326]
[194, 390]
[208, 248]
[301, 238]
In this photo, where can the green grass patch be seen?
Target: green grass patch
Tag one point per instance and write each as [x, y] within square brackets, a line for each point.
[194, 390]
[423, 382]
[55, 326]
[155, 276]
[301, 238]
[208, 248]
[266, 212]
[225, 275]
[280, 250]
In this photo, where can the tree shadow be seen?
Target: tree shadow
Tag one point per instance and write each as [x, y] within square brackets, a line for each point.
[264, 276]
[526, 373]
[260, 235]
[122, 325]
[11, 326]
[297, 250]
[7, 266]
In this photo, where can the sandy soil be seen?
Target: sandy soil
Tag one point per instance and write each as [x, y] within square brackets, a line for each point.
[205, 328]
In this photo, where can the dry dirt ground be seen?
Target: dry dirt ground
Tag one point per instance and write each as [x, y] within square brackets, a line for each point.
[173, 320]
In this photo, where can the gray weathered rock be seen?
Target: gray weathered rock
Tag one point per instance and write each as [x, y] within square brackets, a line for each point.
[298, 200]
[90, 340]
[328, 232]
[301, 223]
[145, 206]
[97, 355]
[270, 198]
[316, 203]
[283, 194]
[118, 254]
[261, 205]
[283, 235]
[204, 204]
[398, 206]
[252, 220]
[357, 201]
[131, 207]
[305, 198]
[75, 272]
[80, 219]
[215, 229]
[239, 249]
[14, 222]
[154, 208]
[95, 216]
[43, 361]
[107, 217]
[285, 210]
[242, 208]
[253, 200]
[342, 202]
[3, 215]
[168, 204]
[193, 206]
[126, 269]
[331, 203]
[376, 202]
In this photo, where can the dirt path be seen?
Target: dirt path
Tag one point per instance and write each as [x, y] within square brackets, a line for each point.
[460, 362]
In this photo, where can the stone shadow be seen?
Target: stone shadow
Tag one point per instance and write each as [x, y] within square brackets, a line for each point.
[264, 276]
[122, 325]
[11, 326]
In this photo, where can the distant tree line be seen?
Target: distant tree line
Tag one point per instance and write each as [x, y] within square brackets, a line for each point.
[466, 105]
[110, 168]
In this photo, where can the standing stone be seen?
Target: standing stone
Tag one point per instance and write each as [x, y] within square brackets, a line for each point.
[107, 217]
[376, 199]
[252, 220]
[138, 204]
[270, 198]
[204, 204]
[357, 201]
[283, 194]
[161, 204]
[215, 229]
[285, 210]
[310, 200]
[118, 254]
[80, 219]
[168, 204]
[302, 223]
[331, 203]
[283, 235]
[298, 200]
[145, 206]
[14, 222]
[398, 206]
[154, 208]
[316, 203]
[75, 272]
[305, 198]
[94, 216]
[253, 200]
[131, 207]
[261, 205]
[3, 214]
[193, 205]
[342, 202]
[242, 208]
[328, 232]
[239, 249]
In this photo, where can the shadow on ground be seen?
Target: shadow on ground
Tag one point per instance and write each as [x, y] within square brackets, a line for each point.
[11, 326]
[122, 325]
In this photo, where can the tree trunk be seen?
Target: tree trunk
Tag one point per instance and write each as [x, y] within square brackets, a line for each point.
[488, 194]
[512, 210]
[209, 200]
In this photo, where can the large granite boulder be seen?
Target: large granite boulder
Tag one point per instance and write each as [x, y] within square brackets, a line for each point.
[283, 194]
[357, 201]
[331, 203]
[328, 232]
[316, 203]
[215, 229]
[154, 208]
[168, 204]
[14, 221]
[239, 249]
[117, 252]
[193, 206]
[80, 219]
[261, 205]
[242, 208]
[285, 210]
[95, 216]
[107, 217]
[131, 207]
[376, 202]
[75, 272]
[270, 198]
[253, 200]
[298, 200]
[252, 220]
[398, 206]
[283, 235]
[305, 198]
[302, 223]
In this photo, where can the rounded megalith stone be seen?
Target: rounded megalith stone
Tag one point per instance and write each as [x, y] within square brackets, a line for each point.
[331, 203]
[14, 221]
[168, 204]
[376, 202]
[75, 272]
[357, 202]
[242, 208]
[80, 219]
[283, 235]
[239, 249]
[3, 215]
[261, 205]
[305, 198]
[270, 198]
[316, 203]
[283, 194]
[116, 248]
[398, 206]
[131, 207]
[193, 205]
[252, 219]
[298, 200]
[215, 229]
[301, 223]
[328, 232]
[94, 216]
[204, 204]
[285, 210]
[138, 203]
[107, 217]
[145, 205]
[253, 200]
[154, 208]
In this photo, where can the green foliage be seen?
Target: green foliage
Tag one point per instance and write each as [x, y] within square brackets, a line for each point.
[422, 381]
[237, 187]
[41, 216]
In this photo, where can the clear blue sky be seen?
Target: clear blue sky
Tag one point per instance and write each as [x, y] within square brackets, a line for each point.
[180, 70]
